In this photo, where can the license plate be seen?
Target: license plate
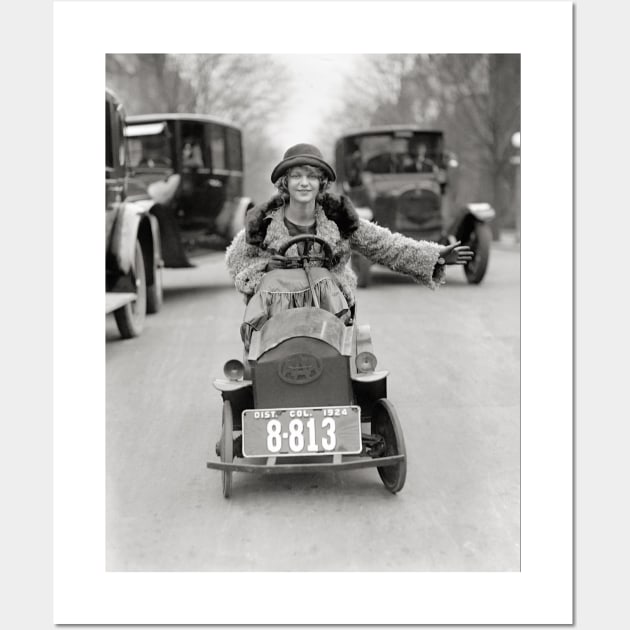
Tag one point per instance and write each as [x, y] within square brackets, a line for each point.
[301, 431]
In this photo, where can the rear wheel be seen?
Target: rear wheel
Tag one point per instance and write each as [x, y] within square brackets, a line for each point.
[130, 318]
[386, 424]
[227, 446]
[479, 242]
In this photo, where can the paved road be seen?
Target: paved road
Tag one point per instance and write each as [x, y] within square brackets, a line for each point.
[454, 360]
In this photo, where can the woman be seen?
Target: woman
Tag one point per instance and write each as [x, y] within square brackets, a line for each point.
[303, 206]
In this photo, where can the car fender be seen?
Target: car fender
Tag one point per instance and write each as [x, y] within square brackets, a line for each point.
[157, 243]
[163, 191]
[483, 212]
[126, 231]
[464, 223]
[237, 218]
[155, 246]
[365, 212]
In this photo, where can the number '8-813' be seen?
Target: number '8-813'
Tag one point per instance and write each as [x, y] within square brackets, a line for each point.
[298, 437]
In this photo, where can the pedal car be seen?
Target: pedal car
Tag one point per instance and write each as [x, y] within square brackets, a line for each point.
[307, 396]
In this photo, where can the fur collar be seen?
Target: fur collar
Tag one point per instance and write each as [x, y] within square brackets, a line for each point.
[338, 209]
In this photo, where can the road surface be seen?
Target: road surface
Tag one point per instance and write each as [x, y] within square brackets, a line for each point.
[454, 362]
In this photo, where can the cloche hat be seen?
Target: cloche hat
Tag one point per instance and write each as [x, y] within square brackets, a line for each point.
[300, 154]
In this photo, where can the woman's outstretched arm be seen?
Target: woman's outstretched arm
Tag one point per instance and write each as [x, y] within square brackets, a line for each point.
[400, 253]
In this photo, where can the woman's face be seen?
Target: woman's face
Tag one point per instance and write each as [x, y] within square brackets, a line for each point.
[303, 183]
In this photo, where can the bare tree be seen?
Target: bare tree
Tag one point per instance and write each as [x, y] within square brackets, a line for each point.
[474, 99]
[483, 97]
[245, 90]
[149, 83]
[249, 91]
[369, 85]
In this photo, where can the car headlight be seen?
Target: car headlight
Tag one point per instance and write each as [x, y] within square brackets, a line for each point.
[234, 370]
[366, 362]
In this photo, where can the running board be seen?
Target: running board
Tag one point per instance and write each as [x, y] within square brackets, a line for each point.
[114, 301]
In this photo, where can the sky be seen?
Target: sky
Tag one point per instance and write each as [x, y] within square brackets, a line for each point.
[318, 85]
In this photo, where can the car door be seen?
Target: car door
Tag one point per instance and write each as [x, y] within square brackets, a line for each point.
[195, 212]
[220, 170]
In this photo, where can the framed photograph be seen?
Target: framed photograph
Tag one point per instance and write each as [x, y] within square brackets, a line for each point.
[422, 435]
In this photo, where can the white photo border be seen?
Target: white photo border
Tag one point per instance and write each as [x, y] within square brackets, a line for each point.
[84, 593]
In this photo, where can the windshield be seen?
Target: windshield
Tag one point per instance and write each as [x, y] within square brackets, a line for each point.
[149, 151]
[396, 152]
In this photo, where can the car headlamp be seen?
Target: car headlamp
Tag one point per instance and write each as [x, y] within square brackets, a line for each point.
[234, 370]
[366, 362]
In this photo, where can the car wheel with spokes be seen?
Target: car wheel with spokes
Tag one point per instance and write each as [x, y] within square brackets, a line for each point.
[479, 241]
[130, 318]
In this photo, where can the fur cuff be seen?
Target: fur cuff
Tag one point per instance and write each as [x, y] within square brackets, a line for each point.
[247, 281]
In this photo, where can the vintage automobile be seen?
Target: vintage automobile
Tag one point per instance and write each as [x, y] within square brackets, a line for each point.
[397, 176]
[133, 258]
[192, 165]
[308, 397]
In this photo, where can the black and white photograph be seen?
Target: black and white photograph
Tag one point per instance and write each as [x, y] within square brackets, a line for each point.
[313, 270]
[318, 328]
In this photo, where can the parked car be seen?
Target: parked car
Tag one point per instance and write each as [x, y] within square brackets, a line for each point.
[133, 258]
[193, 167]
[308, 397]
[397, 176]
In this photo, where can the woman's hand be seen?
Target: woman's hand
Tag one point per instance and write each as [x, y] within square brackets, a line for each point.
[456, 254]
[276, 262]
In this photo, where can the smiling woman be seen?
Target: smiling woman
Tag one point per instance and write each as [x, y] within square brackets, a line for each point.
[302, 177]
[277, 266]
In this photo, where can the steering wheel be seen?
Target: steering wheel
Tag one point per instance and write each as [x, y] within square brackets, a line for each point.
[326, 257]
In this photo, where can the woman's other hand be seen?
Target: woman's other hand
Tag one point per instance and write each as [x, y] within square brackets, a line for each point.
[456, 254]
[277, 262]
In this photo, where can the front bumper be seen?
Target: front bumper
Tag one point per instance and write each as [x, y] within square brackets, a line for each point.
[343, 462]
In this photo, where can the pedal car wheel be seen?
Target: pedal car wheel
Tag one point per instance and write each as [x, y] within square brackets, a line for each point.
[227, 446]
[385, 423]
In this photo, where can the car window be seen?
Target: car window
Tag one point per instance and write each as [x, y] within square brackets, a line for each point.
[217, 146]
[234, 157]
[109, 155]
[149, 151]
[395, 152]
[120, 133]
[192, 155]
[193, 152]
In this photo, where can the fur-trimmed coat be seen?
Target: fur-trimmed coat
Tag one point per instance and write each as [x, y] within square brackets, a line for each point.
[337, 222]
